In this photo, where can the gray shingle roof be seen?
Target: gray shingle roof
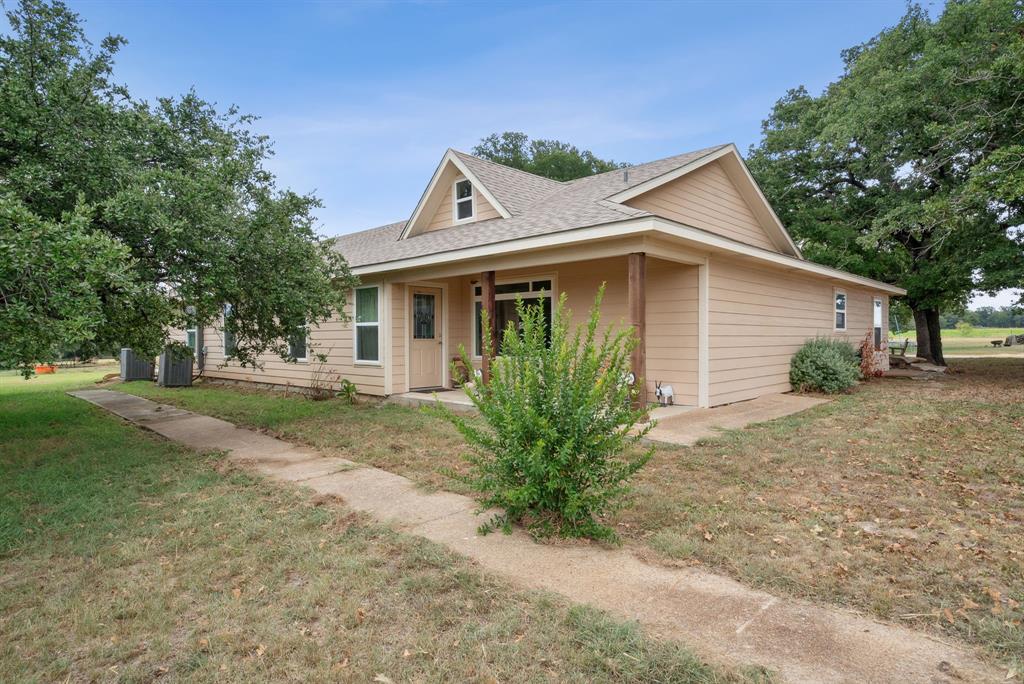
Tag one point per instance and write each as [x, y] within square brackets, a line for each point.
[516, 190]
[539, 206]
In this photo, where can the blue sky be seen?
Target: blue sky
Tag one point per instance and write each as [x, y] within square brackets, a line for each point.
[362, 99]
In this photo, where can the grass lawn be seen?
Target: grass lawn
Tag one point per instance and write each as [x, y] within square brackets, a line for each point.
[126, 558]
[976, 342]
[904, 499]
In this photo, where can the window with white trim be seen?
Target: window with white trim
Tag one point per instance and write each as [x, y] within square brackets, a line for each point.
[505, 293]
[192, 334]
[840, 309]
[298, 344]
[877, 322]
[367, 324]
[229, 334]
[464, 198]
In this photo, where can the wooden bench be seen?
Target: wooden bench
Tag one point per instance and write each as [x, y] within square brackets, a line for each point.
[899, 350]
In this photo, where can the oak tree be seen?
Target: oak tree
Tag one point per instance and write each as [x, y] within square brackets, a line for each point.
[121, 219]
[910, 167]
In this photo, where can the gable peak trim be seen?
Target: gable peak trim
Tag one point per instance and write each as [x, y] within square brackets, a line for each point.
[450, 157]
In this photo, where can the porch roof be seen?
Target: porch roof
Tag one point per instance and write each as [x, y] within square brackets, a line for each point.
[693, 240]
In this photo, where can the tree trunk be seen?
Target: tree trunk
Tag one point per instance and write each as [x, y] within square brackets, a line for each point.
[924, 347]
[935, 336]
[929, 335]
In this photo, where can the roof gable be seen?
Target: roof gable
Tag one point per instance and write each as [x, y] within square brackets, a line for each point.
[706, 198]
[538, 206]
[720, 178]
[451, 168]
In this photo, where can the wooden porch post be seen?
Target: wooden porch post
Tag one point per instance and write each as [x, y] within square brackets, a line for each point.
[487, 302]
[638, 319]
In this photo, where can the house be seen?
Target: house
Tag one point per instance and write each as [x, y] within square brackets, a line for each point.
[692, 253]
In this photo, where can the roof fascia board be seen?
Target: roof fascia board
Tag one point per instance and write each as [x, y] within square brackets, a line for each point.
[774, 218]
[647, 224]
[599, 232]
[724, 244]
[537, 258]
[450, 156]
[426, 194]
[478, 185]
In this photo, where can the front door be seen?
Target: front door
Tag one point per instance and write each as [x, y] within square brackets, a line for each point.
[426, 363]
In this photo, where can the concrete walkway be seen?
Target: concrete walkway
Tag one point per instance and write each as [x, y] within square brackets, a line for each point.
[721, 619]
[696, 424]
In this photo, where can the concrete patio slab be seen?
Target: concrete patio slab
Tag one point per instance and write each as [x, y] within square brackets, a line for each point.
[691, 426]
[718, 617]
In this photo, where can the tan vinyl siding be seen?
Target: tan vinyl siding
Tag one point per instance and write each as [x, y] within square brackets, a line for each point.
[442, 218]
[671, 312]
[399, 338]
[460, 312]
[758, 318]
[707, 199]
[332, 338]
[672, 304]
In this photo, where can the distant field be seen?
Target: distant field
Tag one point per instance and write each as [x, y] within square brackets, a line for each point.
[978, 341]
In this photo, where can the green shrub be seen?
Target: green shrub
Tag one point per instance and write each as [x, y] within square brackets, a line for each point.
[824, 365]
[555, 445]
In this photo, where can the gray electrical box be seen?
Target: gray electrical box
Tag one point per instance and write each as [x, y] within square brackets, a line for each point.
[134, 367]
[175, 368]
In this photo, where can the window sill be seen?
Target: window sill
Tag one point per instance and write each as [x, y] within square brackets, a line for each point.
[372, 364]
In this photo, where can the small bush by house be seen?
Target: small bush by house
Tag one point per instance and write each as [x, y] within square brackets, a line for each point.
[555, 446]
[824, 365]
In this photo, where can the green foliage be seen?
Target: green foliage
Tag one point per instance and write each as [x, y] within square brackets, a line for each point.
[555, 446]
[51, 273]
[965, 328]
[549, 158]
[347, 390]
[824, 365]
[907, 168]
[985, 317]
[170, 199]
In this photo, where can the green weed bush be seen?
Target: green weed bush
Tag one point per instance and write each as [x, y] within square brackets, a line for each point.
[555, 444]
[824, 365]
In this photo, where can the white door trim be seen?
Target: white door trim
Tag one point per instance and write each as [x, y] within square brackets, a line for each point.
[445, 371]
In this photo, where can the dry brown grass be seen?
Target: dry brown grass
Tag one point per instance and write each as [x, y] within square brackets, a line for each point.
[904, 499]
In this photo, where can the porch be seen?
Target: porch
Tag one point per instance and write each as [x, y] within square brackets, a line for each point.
[457, 400]
[435, 316]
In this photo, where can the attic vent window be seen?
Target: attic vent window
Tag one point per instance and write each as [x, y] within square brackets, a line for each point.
[463, 197]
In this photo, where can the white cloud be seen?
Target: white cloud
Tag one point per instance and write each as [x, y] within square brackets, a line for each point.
[1002, 298]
